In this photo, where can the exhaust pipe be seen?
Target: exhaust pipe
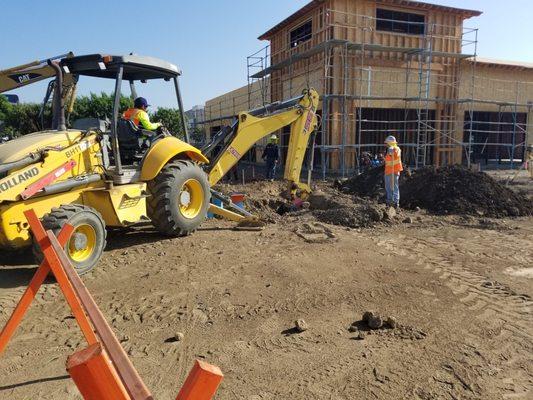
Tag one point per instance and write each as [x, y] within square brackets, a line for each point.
[59, 106]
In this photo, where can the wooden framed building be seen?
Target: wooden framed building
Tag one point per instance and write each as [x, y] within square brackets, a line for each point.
[396, 67]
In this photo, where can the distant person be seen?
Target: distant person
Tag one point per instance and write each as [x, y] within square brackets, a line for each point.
[529, 160]
[366, 161]
[233, 174]
[139, 116]
[271, 156]
[393, 168]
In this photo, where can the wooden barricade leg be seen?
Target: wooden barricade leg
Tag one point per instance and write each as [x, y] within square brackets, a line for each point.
[30, 292]
[125, 369]
[202, 382]
[95, 376]
[64, 284]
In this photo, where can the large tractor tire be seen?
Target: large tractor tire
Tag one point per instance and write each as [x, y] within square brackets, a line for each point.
[88, 240]
[179, 198]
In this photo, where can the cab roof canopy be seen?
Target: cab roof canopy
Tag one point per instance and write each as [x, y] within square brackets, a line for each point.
[135, 68]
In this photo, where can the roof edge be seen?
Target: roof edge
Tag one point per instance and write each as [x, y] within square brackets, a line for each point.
[298, 13]
[405, 3]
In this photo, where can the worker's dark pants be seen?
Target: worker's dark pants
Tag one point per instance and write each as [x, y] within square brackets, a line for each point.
[392, 188]
[270, 169]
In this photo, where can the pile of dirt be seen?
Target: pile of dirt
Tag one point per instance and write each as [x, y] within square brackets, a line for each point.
[457, 190]
[445, 190]
[343, 210]
[367, 184]
[270, 202]
[261, 198]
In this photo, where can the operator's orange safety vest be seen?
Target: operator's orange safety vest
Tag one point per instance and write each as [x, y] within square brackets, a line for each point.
[393, 161]
[132, 114]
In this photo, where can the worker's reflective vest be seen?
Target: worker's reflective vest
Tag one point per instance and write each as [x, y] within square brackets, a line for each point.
[393, 161]
[140, 118]
[132, 114]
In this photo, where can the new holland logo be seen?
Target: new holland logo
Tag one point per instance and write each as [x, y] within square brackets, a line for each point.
[13, 181]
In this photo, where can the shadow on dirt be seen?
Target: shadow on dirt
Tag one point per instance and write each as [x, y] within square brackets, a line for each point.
[16, 258]
[123, 238]
[32, 382]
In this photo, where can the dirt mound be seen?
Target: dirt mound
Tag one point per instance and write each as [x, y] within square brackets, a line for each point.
[262, 198]
[457, 190]
[367, 184]
[446, 190]
[344, 210]
[270, 202]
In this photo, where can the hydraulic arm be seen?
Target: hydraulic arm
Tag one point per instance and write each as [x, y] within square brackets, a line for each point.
[22, 75]
[252, 126]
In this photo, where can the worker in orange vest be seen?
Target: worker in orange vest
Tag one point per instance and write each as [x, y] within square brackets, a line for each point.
[529, 160]
[139, 116]
[393, 168]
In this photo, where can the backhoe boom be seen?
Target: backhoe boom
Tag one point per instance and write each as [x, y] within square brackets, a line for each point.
[251, 127]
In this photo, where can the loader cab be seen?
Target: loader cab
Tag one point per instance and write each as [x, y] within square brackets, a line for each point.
[125, 143]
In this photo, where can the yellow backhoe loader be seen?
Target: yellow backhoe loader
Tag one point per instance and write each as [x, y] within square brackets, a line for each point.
[99, 175]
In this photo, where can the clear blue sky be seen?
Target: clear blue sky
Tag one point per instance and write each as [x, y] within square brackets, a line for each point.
[208, 39]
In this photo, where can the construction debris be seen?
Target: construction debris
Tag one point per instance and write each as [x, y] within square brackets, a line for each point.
[315, 233]
[301, 325]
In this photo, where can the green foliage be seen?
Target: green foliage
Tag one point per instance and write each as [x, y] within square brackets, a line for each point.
[198, 135]
[98, 106]
[170, 117]
[21, 119]
[5, 107]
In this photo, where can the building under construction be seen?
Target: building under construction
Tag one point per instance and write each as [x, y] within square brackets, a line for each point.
[391, 66]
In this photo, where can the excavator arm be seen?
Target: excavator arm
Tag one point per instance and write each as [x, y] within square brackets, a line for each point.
[26, 74]
[252, 126]
[36, 71]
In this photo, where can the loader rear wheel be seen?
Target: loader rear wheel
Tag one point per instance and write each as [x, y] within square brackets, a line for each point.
[88, 240]
[179, 198]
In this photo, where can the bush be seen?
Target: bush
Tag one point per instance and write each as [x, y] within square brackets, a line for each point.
[98, 106]
[24, 118]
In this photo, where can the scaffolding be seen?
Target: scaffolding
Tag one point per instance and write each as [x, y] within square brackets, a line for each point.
[423, 87]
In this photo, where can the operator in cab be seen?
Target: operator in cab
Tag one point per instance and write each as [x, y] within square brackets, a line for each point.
[393, 168]
[139, 116]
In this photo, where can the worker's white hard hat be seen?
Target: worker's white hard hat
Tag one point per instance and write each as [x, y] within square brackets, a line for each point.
[390, 139]
[273, 137]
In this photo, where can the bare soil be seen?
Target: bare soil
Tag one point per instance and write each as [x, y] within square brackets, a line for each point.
[458, 288]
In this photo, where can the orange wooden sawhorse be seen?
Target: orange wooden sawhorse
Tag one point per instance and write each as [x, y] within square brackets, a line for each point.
[103, 370]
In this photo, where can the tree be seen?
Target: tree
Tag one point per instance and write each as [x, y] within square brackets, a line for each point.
[21, 119]
[24, 118]
[5, 107]
[171, 118]
[198, 135]
[98, 106]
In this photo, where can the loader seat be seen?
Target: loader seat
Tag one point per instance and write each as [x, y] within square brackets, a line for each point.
[129, 141]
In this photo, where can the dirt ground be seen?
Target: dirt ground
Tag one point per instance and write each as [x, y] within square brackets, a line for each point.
[460, 288]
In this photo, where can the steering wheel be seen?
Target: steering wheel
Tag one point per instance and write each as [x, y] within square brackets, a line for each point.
[163, 130]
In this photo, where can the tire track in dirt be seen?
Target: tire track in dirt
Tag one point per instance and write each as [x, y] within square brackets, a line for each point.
[489, 301]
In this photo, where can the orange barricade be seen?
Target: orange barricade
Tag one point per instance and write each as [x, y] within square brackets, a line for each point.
[102, 371]
[94, 375]
[202, 382]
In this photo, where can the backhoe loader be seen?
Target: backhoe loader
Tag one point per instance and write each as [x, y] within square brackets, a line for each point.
[99, 174]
